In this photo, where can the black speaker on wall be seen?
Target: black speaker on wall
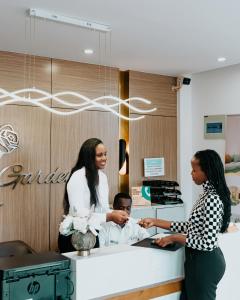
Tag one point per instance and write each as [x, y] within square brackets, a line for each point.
[123, 157]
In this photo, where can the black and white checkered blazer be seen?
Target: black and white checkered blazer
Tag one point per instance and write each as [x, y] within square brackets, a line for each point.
[205, 221]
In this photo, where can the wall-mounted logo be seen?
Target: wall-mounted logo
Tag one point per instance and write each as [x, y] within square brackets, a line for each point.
[16, 174]
[9, 140]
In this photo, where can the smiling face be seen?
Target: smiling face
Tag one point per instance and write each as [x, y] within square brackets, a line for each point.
[198, 176]
[101, 156]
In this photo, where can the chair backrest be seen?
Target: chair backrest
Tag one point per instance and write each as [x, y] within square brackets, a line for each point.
[14, 248]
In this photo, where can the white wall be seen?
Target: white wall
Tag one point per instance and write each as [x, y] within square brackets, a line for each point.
[184, 111]
[212, 93]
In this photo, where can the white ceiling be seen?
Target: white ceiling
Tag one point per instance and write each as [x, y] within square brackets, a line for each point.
[170, 37]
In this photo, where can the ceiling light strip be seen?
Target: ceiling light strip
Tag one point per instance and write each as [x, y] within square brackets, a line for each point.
[33, 12]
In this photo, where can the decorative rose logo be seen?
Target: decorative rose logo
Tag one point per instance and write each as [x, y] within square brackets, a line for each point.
[8, 139]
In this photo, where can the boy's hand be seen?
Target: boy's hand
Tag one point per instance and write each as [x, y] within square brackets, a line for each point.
[118, 217]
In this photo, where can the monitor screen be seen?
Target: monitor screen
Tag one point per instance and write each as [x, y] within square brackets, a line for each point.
[216, 127]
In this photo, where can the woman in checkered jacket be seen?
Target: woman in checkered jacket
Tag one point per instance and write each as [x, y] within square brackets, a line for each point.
[204, 263]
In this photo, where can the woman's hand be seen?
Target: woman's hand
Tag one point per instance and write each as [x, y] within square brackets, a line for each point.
[163, 242]
[147, 222]
[150, 222]
[118, 216]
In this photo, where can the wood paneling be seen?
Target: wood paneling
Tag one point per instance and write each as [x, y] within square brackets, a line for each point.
[154, 136]
[25, 214]
[152, 292]
[68, 134]
[89, 80]
[18, 71]
[157, 88]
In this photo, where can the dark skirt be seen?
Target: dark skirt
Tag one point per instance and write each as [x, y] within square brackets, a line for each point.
[65, 244]
[203, 271]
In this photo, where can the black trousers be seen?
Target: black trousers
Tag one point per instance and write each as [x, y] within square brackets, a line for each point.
[65, 244]
[203, 271]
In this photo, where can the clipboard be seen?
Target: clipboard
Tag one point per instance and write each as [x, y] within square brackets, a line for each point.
[148, 244]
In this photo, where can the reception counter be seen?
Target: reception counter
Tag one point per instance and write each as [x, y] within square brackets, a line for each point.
[112, 271]
[128, 272]
[228, 287]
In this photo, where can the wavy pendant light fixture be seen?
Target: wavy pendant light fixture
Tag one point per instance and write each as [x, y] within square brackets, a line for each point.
[82, 102]
[75, 107]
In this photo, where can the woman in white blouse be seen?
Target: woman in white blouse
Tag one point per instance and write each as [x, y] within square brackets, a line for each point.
[87, 187]
[204, 263]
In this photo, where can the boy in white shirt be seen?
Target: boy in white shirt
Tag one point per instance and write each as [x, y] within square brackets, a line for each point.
[128, 233]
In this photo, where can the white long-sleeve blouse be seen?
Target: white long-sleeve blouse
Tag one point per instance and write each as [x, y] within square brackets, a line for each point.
[79, 194]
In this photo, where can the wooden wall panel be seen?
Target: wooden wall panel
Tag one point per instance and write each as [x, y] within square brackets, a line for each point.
[89, 80]
[157, 88]
[68, 134]
[18, 71]
[154, 136]
[153, 292]
[25, 213]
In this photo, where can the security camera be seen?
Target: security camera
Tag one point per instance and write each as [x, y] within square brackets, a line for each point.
[186, 80]
[180, 82]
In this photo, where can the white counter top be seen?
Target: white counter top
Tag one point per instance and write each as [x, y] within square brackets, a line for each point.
[157, 206]
[117, 269]
[228, 288]
[111, 270]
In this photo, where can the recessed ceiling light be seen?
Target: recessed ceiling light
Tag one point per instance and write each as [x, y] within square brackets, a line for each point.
[221, 59]
[88, 51]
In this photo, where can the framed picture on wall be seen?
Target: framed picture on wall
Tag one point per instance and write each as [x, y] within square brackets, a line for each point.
[214, 127]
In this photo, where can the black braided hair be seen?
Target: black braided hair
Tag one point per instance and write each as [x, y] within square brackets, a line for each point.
[211, 164]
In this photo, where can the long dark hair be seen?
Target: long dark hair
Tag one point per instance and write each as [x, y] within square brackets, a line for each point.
[211, 164]
[86, 158]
